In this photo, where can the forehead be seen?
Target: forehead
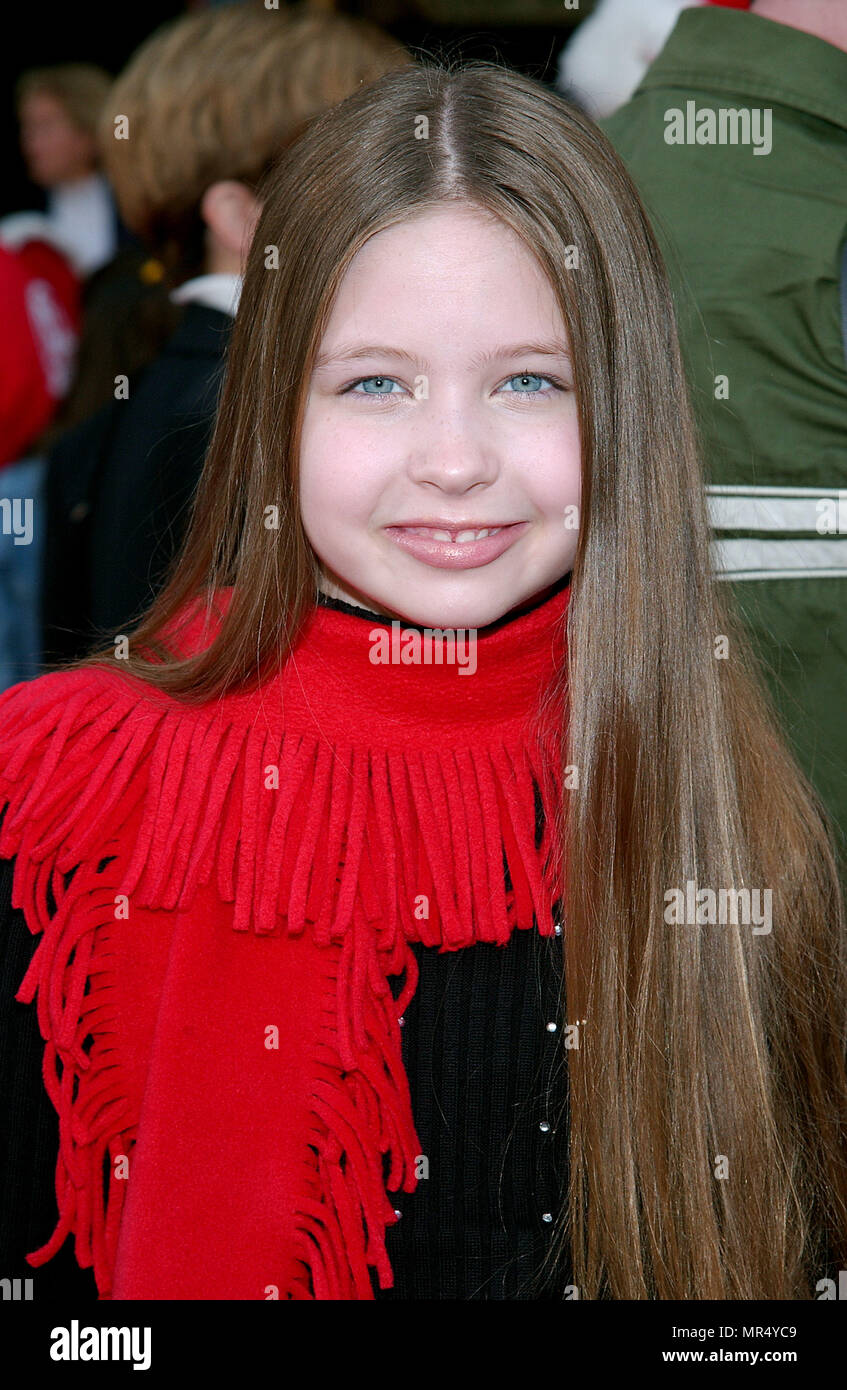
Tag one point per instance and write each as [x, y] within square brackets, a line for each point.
[454, 262]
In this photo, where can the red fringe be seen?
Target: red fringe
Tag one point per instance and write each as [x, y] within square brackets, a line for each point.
[84, 752]
[84, 1086]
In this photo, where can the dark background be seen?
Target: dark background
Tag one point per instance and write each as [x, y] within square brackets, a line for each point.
[527, 34]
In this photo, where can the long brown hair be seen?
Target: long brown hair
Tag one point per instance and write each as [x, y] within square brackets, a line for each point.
[708, 1096]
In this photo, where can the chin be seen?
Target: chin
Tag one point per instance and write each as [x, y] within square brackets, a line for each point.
[466, 614]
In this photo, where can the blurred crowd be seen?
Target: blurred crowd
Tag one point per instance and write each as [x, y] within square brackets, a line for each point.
[117, 298]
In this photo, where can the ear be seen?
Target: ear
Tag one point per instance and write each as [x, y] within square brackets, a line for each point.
[231, 210]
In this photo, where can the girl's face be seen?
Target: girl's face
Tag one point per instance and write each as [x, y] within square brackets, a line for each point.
[442, 401]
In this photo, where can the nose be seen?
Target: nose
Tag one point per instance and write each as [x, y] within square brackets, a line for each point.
[452, 449]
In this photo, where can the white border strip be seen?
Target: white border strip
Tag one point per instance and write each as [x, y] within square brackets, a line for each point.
[775, 559]
[778, 509]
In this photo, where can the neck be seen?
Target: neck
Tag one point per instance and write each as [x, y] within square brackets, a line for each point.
[331, 597]
[221, 261]
[823, 19]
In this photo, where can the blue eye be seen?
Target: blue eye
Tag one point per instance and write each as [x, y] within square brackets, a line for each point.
[528, 388]
[369, 391]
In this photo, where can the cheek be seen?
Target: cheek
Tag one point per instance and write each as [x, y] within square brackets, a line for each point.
[335, 475]
[551, 467]
[343, 465]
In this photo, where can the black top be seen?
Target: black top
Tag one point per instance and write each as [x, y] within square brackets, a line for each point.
[486, 1078]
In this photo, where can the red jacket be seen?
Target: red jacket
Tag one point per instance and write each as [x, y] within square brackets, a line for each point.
[221, 1038]
[39, 329]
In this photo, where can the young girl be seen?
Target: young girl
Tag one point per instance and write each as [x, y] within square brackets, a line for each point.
[400, 878]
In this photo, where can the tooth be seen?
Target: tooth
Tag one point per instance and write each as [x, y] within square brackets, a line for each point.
[458, 537]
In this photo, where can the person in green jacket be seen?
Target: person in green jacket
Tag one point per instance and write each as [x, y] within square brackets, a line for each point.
[737, 141]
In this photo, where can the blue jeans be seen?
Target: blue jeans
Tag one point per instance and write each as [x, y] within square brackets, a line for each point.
[21, 545]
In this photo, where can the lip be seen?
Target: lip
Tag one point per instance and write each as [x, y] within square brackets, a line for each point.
[457, 555]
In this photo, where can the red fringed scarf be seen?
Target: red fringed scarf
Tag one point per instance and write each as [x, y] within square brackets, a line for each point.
[222, 1044]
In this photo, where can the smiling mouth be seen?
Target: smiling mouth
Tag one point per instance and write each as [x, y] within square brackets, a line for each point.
[456, 536]
[457, 547]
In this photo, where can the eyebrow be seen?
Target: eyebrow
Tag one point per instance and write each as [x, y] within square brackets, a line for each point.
[352, 352]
